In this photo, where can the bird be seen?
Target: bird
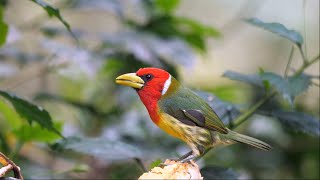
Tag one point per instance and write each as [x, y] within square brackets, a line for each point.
[183, 114]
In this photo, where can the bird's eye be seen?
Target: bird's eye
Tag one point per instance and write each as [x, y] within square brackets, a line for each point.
[147, 77]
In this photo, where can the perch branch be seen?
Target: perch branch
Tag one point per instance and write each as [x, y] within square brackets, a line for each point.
[9, 165]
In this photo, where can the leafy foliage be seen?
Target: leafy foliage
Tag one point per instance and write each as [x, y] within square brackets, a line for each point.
[36, 133]
[151, 49]
[100, 148]
[31, 112]
[110, 120]
[279, 29]
[189, 30]
[167, 5]
[53, 12]
[253, 79]
[288, 87]
[3, 28]
[299, 122]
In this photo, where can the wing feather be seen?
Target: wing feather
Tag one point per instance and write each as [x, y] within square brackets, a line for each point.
[192, 110]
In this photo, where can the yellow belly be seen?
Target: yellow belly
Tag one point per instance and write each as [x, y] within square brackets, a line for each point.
[172, 126]
[187, 133]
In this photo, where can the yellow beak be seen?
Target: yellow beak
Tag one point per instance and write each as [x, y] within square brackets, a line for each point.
[130, 79]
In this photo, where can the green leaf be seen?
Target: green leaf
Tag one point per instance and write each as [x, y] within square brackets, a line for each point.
[279, 29]
[299, 122]
[31, 112]
[288, 87]
[10, 115]
[36, 133]
[155, 163]
[252, 79]
[192, 32]
[100, 148]
[52, 11]
[216, 172]
[3, 28]
[188, 25]
[167, 5]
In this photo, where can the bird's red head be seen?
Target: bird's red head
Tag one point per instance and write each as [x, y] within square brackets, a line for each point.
[156, 83]
[150, 83]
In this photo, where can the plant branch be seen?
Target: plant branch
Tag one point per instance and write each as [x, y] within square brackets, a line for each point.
[305, 61]
[243, 117]
[141, 165]
[289, 61]
[304, 27]
[315, 84]
[307, 64]
[5, 161]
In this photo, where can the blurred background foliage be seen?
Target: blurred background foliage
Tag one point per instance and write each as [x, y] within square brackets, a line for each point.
[62, 116]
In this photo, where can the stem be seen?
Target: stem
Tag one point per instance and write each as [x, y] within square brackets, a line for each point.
[243, 117]
[252, 109]
[315, 84]
[307, 64]
[289, 61]
[141, 165]
[304, 27]
[302, 55]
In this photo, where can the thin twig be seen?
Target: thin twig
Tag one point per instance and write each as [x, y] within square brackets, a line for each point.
[141, 165]
[304, 27]
[289, 61]
[302, 55]
[307, 64]
[243, 117]
[315, 84]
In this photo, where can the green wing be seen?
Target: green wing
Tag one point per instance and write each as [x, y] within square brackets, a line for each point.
[191, 109]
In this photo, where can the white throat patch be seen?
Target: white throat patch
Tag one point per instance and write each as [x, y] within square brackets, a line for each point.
[166, 85]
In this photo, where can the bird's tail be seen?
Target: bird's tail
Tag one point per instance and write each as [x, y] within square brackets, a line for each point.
[248, 140]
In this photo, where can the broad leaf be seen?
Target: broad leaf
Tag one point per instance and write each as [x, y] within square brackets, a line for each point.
[37, 133]
[190, 31]
[3, 28]
[288, 87]
[31, 112]
[100, 148]
[215, 172]
[167, 5]
[279, 29]
[52, 11]
[155, 163]
[299, 122]
[10, 115]
[250, 79]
